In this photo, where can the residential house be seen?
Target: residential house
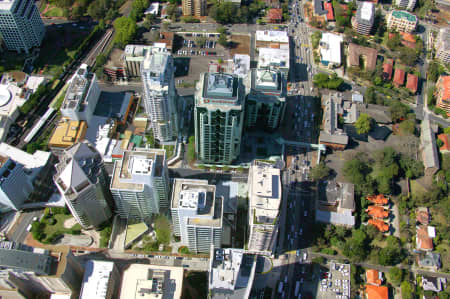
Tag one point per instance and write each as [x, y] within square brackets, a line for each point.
[275, 15]
[399, 77]
[374, 277]
[445, 138]
[434, 284]
[412, 82]
[424, 237]
[377, 212]
[379, 224]
[443, 45]
[379, 199]
[376, 292]
[388, 66]
[423, 215]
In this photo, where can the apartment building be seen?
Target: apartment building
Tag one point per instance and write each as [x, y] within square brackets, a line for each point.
[81, 96]
[408, 4]
[196, 214]
[264, 204]
[365, 17]
[35, 272]
[194, 7]
[160, 96]
[18, 172]
[266, 102]
[403, 21]
[218, 117]
[82, 181]
[442, 93]
[443, 45]
[140, 184]
[134, 55]
[21, 27]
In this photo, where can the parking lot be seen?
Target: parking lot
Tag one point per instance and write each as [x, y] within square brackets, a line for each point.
[335, 283]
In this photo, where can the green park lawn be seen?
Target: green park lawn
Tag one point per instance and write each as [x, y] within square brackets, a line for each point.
[54, 12]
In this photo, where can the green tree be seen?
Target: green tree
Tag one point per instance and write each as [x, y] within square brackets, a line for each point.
[355, 170]
[125, 31]
[223, 40]
[395, 275]
[408, 127]
[407, 290]
[394, 42]
[364, 124]
[315, 39]
[399, 111]
[408, 56]
[411, 168]
[200, 41]
[162, 229]
[191, 149]
[435, 69]
[320, 171]
[101, 59]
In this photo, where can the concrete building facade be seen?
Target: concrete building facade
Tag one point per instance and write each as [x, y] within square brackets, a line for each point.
[18, 171]
[443, 45]
[160, 96]
[140, 184]
[134, 55]
[365, 17]
[21, 26]
[82, 181]
[401, 21]
[264, 204]
[194, 7]
[442, 93]
[266, 102]
[196, 214]
[218, 117]
[81, 96]
[408, 4]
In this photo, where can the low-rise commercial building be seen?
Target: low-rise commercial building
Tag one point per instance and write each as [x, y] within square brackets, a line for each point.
[401, 21]
[336, 203]
[150, 281]
[82, 181]
[18, 172]
[81, 96]
[265, 194]
[101, 280]
[272, 39]
[365, 18]
[429, 150]
[140, 184]
[66, 133]
[330, 50]
[197, 214]
[274, 59]
[231, 273]
[331, 135]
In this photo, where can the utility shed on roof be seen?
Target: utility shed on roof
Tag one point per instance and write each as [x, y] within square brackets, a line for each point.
[429, 151]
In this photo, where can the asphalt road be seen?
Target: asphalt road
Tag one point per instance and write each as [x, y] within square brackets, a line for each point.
[19, 231]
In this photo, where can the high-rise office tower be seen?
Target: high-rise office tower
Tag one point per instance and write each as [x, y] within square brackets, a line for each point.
[264, 204]
[266, 102]
[196, 214]
[194, 7]
[219, 117]
[83, 183]
[18, 172]
[21, 26]
[140, 184]
[160, 96]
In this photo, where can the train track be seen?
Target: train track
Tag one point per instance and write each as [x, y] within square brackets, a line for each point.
[99, 47]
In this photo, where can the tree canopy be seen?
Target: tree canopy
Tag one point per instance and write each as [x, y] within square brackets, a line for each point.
[322, 80]
[125, 31]
[320, 171]
[364, 124]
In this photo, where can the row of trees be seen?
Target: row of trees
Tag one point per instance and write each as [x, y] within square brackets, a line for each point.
[228, 13]
[322, 80]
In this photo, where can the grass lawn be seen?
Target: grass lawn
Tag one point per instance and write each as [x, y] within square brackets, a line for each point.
[135, 230]
[169, 150]
[417, 189]
[54, 12]
[59, 98]
[58, 227]
[58, 46]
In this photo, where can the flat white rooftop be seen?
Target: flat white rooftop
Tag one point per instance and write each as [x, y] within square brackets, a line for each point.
[272, 36]
[136, 277]
[330, 48]
[6, 4]
[225, 270]
[273, 57]
[36, 160]
[96, 278]
[366, 10]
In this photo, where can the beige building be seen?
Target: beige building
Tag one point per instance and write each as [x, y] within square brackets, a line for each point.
[151, 282]
[194, 8]
[443, 45]
[400, 20]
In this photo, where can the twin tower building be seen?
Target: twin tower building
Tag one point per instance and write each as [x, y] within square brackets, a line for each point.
[224, 105]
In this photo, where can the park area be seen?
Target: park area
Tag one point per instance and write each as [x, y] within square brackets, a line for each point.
[60, 44]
